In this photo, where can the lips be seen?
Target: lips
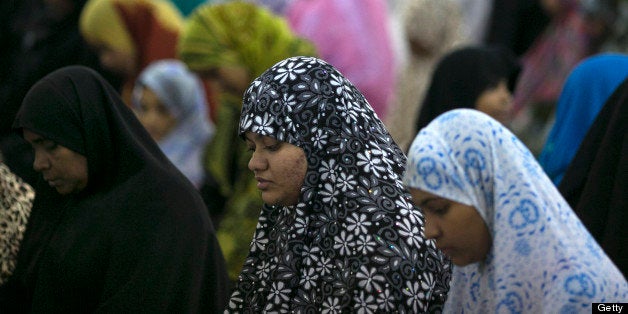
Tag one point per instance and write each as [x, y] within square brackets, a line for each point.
[262, 183]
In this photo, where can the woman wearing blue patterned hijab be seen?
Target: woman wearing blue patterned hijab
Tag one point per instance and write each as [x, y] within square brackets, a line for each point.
[350, 240]
[539, 258]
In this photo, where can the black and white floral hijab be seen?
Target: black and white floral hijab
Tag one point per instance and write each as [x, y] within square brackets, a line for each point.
[354, 242]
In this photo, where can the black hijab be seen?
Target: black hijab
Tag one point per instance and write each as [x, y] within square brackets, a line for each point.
[137, 238]
[462, 75]
[596, 181]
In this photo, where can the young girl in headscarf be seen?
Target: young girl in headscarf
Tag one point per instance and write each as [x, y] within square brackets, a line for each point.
[128, 35]
[170, 102]
[516, 244]
[337, 231]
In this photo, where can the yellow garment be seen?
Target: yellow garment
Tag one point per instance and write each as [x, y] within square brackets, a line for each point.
[101, 22]
[242, 35]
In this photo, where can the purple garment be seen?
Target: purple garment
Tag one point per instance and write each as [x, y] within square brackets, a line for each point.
[354, 36]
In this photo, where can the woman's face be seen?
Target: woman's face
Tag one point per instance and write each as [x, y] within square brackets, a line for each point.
[279, 169]
[63, 169]
[120, 63]
[228, 79]
[459, 231]
[497, 103]
[154, 115]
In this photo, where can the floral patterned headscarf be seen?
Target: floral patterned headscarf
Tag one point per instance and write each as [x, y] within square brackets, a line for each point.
[354, 242]
[542, 258]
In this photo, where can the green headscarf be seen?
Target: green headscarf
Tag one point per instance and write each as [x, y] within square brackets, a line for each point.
[236, 34]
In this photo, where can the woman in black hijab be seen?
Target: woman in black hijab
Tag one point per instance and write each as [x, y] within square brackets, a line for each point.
[478, 77]
[132, 235]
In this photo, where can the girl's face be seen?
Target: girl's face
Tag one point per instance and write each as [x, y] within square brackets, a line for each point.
[497, 103]
[63, 169]
[154, 115]
[279, 169]
[459, 230]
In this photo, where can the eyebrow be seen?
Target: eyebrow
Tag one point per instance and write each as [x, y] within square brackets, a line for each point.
[427, 200]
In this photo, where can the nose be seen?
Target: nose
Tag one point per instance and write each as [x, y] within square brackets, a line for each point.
[257, 162]
[432, 230]
[41, 162]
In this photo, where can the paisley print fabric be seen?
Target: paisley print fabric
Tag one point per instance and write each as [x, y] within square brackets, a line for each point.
[354, 242]
[16, 201]
[542, 259]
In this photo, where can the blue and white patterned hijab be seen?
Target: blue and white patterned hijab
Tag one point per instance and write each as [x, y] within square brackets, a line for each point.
[542, 259]
[181, 91]
[354, 242]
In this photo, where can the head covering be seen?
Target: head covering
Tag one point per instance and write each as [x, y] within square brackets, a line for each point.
[596, 182]
[462, 75]
[354, 242]
[138, 238]
[586, 90]
[182, 93]
[238, 34]
[353, 35]
[542, 258]
[147, 29]
[16, 202]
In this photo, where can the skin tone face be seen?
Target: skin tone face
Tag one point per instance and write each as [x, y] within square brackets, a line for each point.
[121, 63]
[279, 169]
[64, 169]
[497, 103]
[459, 231]
[154, 115]
[230, 79]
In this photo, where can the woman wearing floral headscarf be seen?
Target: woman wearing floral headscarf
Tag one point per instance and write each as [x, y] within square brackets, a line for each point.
[337, 231]
[228, 45]
[516, 244]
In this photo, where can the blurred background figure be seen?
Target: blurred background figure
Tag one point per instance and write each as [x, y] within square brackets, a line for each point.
[431, 28]
[479, 77]
[596, 182]
[354, 36]
[170, 102]
[128, 35]
[587, 89]
[229, 44]
[572, 34]
[16, 202]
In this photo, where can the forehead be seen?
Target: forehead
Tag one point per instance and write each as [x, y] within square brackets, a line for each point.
[256, 137]
[32, 137]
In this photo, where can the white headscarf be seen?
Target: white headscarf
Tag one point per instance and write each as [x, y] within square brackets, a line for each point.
[542, 258]
[183, 94]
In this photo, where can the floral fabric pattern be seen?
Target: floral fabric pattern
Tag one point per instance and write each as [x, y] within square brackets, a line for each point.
[354, 241]
[542, 259]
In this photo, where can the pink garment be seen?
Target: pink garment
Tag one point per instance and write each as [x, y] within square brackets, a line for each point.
[546, 64]
[353, 36]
